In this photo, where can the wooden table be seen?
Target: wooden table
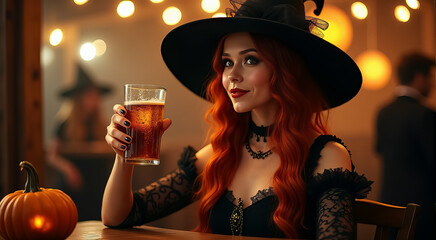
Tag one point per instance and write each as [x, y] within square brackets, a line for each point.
[89, 230]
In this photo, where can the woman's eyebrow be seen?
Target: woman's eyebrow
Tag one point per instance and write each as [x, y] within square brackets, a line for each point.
[241, 52]
[247, 50]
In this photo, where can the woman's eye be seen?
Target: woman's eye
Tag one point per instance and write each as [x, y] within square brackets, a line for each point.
[227, 63]
[252, 60]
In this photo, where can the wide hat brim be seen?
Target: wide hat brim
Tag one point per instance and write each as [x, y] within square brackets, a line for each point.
[188, 52]
[72, 92]
[83, 82]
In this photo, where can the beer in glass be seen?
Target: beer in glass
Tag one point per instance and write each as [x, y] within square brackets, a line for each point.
[145, 106]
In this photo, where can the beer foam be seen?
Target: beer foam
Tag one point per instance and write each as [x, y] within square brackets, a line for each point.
[148, 102]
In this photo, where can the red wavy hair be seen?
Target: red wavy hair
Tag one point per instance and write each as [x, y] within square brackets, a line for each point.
[299, 115]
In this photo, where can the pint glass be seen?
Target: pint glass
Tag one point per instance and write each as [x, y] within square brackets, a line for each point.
[145, 105]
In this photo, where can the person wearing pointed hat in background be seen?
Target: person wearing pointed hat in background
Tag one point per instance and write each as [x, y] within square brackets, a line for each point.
[405, 130]
[80, 126]
[271, 169]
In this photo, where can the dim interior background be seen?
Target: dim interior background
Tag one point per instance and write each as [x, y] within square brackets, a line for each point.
[132, 55]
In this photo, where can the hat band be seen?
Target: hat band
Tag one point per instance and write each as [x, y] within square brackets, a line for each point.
[282, 13]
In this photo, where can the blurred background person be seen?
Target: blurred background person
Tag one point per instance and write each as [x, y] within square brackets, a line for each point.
[406, 141]
[76, 156]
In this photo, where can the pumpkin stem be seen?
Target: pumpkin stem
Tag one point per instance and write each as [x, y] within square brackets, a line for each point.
[32, 183]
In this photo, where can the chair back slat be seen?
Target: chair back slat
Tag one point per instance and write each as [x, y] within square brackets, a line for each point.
[386, 216]
[408, 230]
[381, 233]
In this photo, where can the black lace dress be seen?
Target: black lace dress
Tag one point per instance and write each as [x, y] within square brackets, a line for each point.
[328, 211]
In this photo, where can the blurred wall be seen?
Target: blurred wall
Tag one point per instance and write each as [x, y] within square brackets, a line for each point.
[133, 56]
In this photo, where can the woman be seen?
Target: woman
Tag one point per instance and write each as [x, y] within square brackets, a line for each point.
[270, 169]
[80, 124]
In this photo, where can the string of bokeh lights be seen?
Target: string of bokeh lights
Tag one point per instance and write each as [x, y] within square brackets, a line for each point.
[339, 33]
[171, 16]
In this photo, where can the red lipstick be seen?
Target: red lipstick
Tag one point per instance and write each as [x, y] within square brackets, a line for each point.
[237, 92]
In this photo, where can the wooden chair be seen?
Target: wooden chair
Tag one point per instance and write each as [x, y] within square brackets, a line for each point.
[386, 217]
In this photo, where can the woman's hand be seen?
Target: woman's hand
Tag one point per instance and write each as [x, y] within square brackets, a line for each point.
[66, 167]
[116, 137]
[74, 177]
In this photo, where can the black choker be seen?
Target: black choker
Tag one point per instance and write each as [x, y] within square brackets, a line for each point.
[261, 131]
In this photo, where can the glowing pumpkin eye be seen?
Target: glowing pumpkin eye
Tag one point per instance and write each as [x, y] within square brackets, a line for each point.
[37, 221]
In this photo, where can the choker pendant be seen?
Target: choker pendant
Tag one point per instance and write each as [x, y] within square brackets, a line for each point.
[261, 131]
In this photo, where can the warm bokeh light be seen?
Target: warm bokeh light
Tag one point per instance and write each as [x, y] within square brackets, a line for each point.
[359, 10]
[100, 47]
[340, 31]
[80, 2]
[376, 69]
[413, 4]
[125, 9]
[87, 51]
[47, 56]
[56, 37]
[402, 14]
[216, 15]
[210, 6]
[156, 1]
[172, 15]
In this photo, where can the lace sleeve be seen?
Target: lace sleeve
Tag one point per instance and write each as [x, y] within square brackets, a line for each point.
[165, 196]
[334, 215]
[335, 191]
[358, 185]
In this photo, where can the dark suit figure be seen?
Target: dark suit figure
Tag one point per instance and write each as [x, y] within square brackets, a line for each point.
[406, 142]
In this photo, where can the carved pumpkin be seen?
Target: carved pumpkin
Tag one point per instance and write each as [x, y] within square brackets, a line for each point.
[37, 213]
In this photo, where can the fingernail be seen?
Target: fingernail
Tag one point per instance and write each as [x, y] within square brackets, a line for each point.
[126, 123]
[122, 111]
[123, 147]
[127, 139]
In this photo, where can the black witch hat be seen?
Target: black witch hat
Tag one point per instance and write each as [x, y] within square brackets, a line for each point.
[83, 83]
[188, 50]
